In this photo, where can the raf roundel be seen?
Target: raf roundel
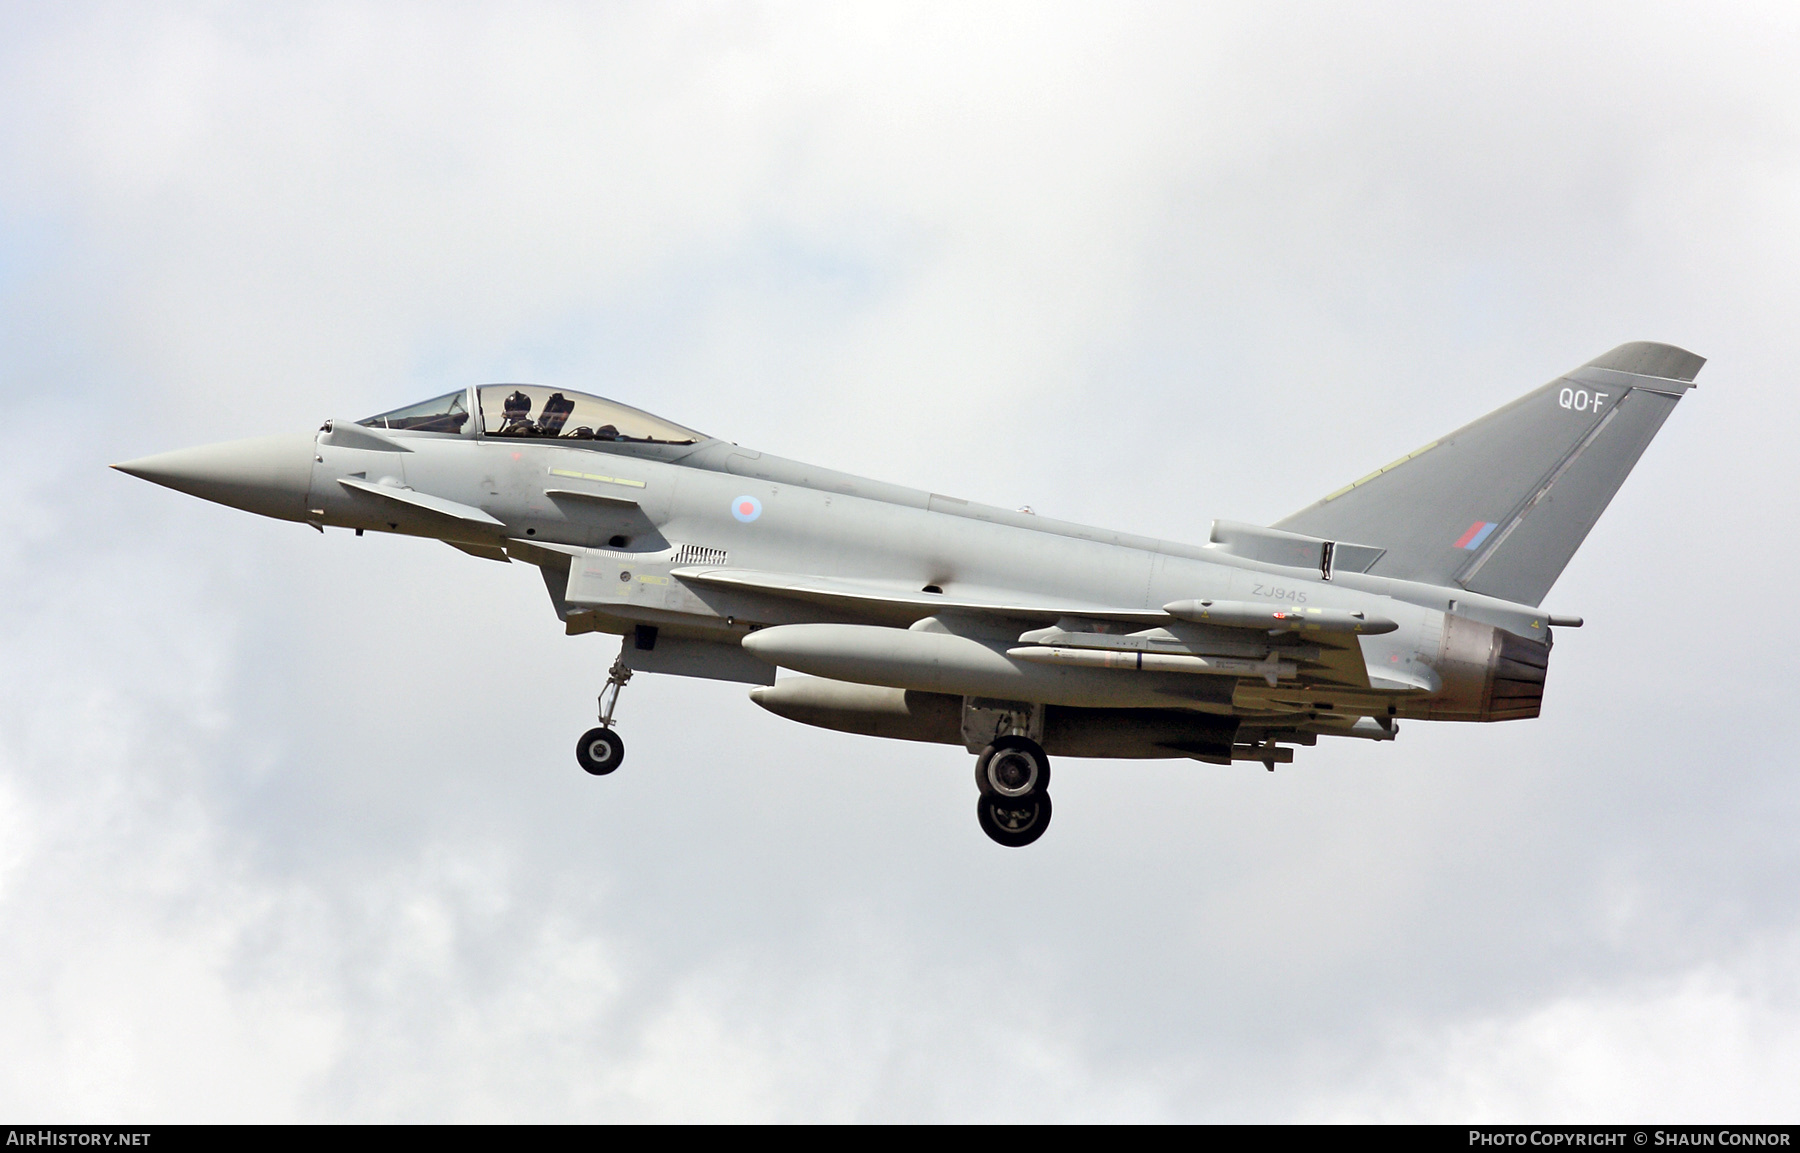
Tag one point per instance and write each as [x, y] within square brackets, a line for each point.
[746, 508]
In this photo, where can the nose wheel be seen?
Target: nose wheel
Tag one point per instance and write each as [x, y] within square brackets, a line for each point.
[1013, 775]
[601, 750]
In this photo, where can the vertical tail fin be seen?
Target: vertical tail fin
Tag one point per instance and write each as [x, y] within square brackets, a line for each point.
[1499, 506]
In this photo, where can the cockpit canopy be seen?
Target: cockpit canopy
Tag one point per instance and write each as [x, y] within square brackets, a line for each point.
[446, 413]
[528, 410]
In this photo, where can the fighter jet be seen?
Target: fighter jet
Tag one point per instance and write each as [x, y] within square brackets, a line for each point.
[1411, 593]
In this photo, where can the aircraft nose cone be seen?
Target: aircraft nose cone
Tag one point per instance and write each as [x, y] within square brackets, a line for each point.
[270, 475]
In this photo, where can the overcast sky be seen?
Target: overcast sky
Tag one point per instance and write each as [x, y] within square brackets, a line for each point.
[290, 827]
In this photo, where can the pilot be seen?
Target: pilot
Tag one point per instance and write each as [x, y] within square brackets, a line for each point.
[606, 432]
[518, 416]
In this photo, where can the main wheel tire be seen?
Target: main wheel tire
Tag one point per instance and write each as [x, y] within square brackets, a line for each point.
[600, 751]
[1012, 767]
[1013, 822]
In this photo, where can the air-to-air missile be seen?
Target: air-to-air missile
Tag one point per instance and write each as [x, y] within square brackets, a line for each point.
[1411, 593]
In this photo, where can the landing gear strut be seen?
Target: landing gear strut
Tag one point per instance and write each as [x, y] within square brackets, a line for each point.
[601, 750]
[1013, 775]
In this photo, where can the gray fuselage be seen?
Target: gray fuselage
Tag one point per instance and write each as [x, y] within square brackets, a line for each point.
[602, 509]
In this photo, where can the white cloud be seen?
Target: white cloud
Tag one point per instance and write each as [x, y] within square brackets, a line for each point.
[1719, 1043]
[287, 823]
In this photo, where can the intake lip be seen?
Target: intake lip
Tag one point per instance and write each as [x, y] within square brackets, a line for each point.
[267, 475]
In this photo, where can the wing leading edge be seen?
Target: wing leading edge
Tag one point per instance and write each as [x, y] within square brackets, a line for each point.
[832, 592]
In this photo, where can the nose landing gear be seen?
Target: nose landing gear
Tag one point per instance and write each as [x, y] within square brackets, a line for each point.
[601, 750]
[1013, 775]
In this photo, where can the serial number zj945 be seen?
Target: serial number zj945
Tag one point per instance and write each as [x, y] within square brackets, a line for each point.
[1298, 596]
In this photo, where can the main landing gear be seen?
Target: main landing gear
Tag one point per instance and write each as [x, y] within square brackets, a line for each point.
[1013, 775]
[601, 750]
